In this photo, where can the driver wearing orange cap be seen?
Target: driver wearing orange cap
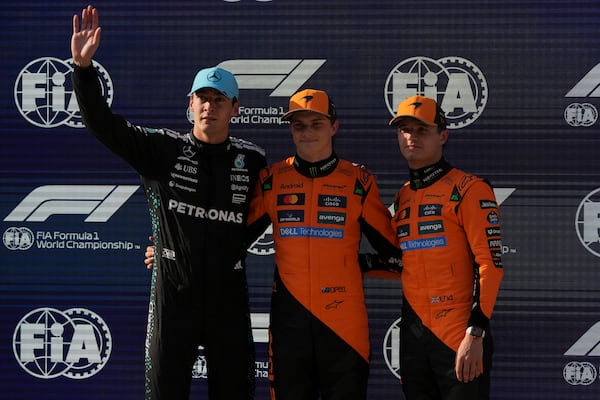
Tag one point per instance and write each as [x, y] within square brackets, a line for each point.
[448, 225]
[319, 205]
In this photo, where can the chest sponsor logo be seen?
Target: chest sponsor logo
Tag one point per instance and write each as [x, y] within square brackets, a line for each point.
[331, 218]
[428, 210]
[290, 216]
[239, 161]
[239, 178]
[332, 201]
[403, 230]
[403, 214]
[420, 244]
[237, 198]
[211, 214]
[312, 232]
[291, 199]
[431, 227]
[188, 154]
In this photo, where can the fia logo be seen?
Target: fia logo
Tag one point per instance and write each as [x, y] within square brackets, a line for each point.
[391, 348]
[587, 222]
[48, 343]
[455, 83]
[44, 97]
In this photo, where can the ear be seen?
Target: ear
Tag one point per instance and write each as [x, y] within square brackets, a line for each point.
[235, 111]
[334, 127]
[444, 136]
[191, 101]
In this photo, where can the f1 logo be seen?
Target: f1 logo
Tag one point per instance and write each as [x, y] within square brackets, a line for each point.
[588, 86]
[284, 76]
[98, 202]
[588, 344]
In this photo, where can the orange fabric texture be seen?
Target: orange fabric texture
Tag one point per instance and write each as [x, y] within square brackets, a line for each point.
[310, 100]
[317, 233]
[422, 108]
[449, 233]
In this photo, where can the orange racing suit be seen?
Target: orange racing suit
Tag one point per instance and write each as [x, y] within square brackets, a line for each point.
[449, 233]
[319, 212]
[447, 222]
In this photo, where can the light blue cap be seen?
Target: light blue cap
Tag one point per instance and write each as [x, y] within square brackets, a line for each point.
[217, 78]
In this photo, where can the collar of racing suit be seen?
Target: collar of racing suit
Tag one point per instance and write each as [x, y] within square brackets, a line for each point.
[316, 169]
[423, 177]
[210, 148]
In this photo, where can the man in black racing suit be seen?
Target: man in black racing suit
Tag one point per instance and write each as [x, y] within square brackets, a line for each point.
[198, 187]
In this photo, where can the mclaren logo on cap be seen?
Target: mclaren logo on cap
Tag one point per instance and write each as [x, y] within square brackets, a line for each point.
[416, 104]
[214, 76]
[308, 98]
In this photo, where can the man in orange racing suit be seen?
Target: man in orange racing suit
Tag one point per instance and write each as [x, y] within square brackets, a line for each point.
[447, 222]
[319, 206]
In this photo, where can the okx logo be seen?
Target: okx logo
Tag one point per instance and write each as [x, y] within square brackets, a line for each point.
[44, 97]
[75, 343]
[587, 222]
[455, 83]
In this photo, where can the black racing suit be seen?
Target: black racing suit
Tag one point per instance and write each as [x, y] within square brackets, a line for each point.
[198, 197]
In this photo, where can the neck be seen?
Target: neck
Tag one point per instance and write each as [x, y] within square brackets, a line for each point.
[426, 176]
[213, 138]
[318, 168]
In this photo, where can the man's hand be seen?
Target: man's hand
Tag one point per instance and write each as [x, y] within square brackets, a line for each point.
[149, 254]
[373, 262]
[86, 41]
[469, 358]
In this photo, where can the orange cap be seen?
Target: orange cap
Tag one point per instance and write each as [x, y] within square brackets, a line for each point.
[311, 100]
[422, 108]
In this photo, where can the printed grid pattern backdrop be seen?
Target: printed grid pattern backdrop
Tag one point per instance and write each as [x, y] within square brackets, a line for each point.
[519, 80]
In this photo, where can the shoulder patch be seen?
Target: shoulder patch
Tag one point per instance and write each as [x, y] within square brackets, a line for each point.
[246, 144]
[161, 131]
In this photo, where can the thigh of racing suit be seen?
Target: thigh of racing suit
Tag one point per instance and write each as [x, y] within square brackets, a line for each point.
[308, 358]
[230, 358]
[171, 349]
[178, 328]
[343, 373]
[427, 366]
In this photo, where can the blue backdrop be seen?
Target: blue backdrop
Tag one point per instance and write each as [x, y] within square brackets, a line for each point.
[518, 79]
